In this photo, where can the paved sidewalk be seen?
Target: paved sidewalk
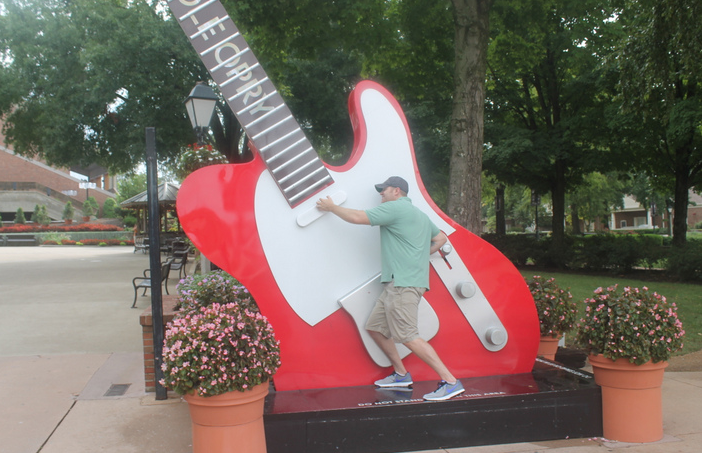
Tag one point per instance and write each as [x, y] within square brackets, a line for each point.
[68, 336]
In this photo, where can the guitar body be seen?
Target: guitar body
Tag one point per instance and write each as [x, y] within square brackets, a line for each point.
[297, 270]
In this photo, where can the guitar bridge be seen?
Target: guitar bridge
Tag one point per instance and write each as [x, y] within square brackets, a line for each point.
[469, 298]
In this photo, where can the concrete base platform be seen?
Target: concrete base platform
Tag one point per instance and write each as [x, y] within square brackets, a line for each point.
[552, 402]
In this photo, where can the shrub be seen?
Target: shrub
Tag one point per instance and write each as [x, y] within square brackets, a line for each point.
[130, 221]
[685, 263]
[109, 209]
[518, 248]
[68, 211]
[19, 217]
[90, 207]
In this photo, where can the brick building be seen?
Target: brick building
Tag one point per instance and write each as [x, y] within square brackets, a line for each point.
[25, 183]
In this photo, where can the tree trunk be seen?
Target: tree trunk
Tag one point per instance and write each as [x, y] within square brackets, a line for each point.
[680, 205]
[500, 227]
[471, 22]
[557, 223]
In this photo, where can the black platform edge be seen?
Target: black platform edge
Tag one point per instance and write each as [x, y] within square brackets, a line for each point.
[552, 402]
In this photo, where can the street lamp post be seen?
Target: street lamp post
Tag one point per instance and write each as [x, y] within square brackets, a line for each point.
[200, 105]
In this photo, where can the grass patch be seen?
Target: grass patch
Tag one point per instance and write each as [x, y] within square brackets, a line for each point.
[686, 297]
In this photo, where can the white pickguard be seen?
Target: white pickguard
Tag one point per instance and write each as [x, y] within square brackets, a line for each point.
[317, 265]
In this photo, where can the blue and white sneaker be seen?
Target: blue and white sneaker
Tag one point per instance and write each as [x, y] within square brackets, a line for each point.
[445, 391]
[395, 380]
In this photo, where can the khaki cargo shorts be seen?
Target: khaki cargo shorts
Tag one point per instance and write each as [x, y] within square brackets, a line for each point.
[395, 313]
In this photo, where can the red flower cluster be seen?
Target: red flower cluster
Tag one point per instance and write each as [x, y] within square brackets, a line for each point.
[91, 242]
[58, 228]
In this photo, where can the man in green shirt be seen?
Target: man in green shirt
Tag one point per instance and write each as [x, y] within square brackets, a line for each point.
[407, 238]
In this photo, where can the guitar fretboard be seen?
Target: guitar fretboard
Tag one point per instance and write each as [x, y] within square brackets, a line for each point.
[289, 156]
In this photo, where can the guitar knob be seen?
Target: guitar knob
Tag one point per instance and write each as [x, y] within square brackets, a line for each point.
[496, 336]
[446, 249]
[465, 289]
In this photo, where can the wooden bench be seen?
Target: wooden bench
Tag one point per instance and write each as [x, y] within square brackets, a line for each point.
[20, 240]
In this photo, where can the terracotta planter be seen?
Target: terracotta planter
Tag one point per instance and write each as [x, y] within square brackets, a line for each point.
[232, 422]
[548, 346]
[631, 399]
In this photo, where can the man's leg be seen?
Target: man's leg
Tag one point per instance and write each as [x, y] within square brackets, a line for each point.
[426, 352]
[390, 350]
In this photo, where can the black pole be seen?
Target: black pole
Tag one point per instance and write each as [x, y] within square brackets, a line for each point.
[155, 258]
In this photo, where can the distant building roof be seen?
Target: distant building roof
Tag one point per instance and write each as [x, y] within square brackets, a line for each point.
[167, 193]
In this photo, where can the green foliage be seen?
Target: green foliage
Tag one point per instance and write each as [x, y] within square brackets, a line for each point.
[195, 157]
[90, 207]
[126, 68]
[40, 216]
[518, 248]
[614, 253]
[685, 263]
[632, 323]
[68, 211]
[130, 185]
[546, 96]
[661, 96]
[130, 221]
[19, 217]
[109, 209]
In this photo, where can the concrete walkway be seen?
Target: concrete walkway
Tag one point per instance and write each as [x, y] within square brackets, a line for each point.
[68, 337]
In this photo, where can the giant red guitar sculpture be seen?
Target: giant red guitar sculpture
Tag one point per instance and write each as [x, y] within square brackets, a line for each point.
[315, 276]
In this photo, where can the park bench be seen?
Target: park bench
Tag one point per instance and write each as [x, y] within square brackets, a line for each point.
[145, 281]
[141, 243]
[19, 240]
[180, 260]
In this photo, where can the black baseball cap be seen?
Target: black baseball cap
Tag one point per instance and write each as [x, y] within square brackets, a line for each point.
[393, 181]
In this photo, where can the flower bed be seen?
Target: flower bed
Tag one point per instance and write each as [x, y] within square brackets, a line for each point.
[59, 228]
[91, 242]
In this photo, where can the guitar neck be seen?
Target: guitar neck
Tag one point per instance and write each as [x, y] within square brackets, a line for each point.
[289, 156]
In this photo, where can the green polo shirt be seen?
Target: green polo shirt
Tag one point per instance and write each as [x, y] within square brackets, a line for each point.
[405, 240]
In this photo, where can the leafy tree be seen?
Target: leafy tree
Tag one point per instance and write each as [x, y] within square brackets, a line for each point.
[662, 96]
[109, 209]
[594, 199]
[546, 96]
[81, 80]
[130, 185]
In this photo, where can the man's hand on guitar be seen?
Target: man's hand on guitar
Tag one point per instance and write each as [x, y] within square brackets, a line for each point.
[349, 215]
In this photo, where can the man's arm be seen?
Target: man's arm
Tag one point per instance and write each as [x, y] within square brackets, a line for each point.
[350, 215]
[437, 242]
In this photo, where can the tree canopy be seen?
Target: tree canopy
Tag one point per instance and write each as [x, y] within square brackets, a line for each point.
[81, 80]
